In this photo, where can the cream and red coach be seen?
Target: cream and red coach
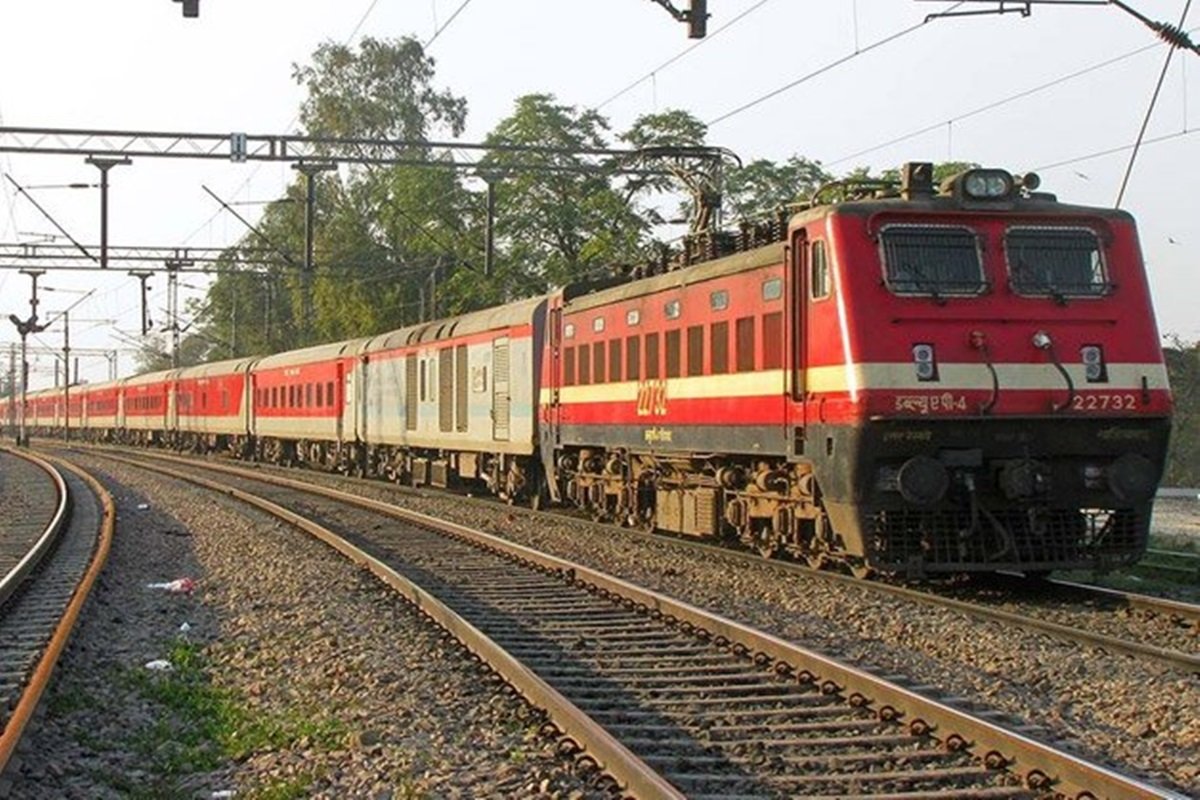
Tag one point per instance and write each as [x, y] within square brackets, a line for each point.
[212, 403]
[967, 378]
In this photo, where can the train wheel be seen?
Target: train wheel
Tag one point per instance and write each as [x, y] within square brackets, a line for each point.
[817, 560]
[860, 570]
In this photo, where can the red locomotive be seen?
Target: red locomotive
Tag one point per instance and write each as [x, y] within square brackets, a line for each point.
[917, 380]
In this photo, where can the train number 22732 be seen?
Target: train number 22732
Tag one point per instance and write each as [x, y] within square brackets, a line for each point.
[1104, 402]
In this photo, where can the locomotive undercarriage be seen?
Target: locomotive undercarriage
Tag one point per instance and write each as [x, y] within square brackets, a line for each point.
[769, 505]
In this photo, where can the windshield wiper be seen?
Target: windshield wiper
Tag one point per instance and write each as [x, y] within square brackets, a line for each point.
[923, 282]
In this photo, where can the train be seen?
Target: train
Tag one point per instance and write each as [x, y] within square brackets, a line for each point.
[912, 379]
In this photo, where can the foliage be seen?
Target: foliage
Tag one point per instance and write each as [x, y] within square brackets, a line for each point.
[1183, 460]
[763, 186]
[383, 91]
[564, 221]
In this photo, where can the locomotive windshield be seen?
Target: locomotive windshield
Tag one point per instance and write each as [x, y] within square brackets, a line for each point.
[932, 260]
[1059, 262]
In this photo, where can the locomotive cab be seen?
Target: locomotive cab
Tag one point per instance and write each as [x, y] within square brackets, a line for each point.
[987, 390]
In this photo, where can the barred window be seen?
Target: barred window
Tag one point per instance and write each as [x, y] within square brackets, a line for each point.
[673, 360]
[1057, 262]
[695, 350]
[744, 333]
[569, 366]
[633, 358]
[720, 347]
[614, 360]
[652, 362]
[932, 260]
[598, 375]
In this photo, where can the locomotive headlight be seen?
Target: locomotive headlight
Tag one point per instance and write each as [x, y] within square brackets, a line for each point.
[1092, 356]
[1042, 340]
[925, 362]
[987, 184]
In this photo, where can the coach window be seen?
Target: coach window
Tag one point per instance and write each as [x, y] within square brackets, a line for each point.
[695, 350]
[569, 366]
[598, 363]
[274, 402]
[320, 396]
[424, 378]
[772, 289]
[772, 333]
[720, 347]
[652, 364]
[585, 365]
[614, 360]
[744, 335]
[633, 358]
[329, 392]
[673, 359]
[308, 395]
[818, 282]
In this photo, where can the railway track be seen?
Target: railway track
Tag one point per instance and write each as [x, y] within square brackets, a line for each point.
[1110, 619]
[54, 537]
[668, 699]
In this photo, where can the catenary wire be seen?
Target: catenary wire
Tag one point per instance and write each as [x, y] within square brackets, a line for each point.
[700, 42]
[826, 68]
[446, 24]
[1162, 76]
[998, 103]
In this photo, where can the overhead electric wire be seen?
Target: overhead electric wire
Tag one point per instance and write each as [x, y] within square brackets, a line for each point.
[996, 103]
[1120, 149]
[1162, 76]
[825, 68]
[682, 53]
[446, 24]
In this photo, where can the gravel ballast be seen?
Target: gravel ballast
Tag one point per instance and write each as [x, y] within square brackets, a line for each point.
[298, 675]
[1119, 710]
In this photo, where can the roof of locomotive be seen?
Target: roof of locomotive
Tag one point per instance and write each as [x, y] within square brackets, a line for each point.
[520, 312]
[228, 367]
[677, 279]
[1037, 203]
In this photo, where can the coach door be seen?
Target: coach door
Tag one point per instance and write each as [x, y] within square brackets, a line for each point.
[798, 343]
[501, 400]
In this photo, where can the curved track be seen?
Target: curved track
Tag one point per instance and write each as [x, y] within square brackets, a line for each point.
[1161, 630]
[55, 534]
[669, 699]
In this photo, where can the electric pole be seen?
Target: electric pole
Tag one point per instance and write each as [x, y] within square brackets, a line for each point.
[310, 170]
[104, 164]
[24, 328]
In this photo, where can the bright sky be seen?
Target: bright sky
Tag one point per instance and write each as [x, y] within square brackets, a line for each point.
[140, 65]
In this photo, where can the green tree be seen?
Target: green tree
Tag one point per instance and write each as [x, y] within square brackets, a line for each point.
[384, 236]
[762, 186]
[1183, 368]
[567, 221]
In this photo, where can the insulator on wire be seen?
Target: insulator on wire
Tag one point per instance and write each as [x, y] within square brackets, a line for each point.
[1173, 35]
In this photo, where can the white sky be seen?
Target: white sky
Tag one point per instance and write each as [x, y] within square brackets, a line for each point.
[141, 66]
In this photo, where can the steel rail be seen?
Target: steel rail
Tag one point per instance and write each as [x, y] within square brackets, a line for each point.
[631, 772]
[1042, 767]
[10, 582]
[18, 720]
[1146, 602]
[1175, 659]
